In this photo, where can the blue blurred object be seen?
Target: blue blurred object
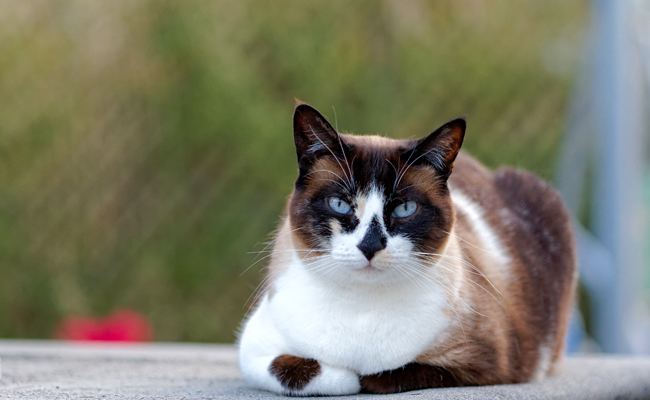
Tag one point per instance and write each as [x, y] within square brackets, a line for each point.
[603, 153]
[576, 335]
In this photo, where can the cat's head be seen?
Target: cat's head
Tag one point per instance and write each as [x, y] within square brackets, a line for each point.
[368, 208]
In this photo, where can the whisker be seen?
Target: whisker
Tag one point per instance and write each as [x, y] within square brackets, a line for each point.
[343, 151]
[451, 305]
[271, 252]
[467, 263]
[325, 170]
[460, 238]
[257, 293]
[338, 183]
[411, 164]
[259, 290]
[408, 187]
[399, 176]
[476, 284]
[469, 280]
[479, 272]
[459, 298]
[255, 263]
[350, 186]
[392, 165]
[274, 240]
[280, 251]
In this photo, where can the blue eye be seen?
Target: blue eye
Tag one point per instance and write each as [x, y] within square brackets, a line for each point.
[405, 209]
[339, 205]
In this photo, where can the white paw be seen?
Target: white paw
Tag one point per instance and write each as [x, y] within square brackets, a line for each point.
[332, 381]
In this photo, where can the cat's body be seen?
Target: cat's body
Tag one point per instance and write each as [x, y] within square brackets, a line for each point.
[389, 273]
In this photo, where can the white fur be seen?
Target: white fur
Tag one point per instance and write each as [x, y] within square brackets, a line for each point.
[354, 318]
[367, 331]
[489, 240]
[261, 343]
[543, 364]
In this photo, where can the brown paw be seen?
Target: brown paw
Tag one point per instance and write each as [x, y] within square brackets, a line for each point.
[409, 377]
[294, 372]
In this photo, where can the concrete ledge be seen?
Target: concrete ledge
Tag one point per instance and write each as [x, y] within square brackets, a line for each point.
[56, 370]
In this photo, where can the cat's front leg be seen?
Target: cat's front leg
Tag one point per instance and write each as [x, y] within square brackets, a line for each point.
[266, 363]
[296, 376]
[304, 377]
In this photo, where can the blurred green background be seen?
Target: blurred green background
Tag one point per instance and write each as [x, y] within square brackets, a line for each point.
[146, 146]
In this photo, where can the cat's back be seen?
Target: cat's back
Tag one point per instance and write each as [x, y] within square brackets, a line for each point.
[527, 213]
[532, 224]
[525, 210]
[517, 203]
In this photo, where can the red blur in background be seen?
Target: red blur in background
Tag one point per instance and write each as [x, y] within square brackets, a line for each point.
[120, 326]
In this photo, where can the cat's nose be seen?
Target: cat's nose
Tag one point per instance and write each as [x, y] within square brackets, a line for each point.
[373, 241]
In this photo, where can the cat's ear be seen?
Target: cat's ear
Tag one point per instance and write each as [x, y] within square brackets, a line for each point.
[314, 137]
[441, 147]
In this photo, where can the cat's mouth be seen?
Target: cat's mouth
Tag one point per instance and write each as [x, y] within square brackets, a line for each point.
[369, 267]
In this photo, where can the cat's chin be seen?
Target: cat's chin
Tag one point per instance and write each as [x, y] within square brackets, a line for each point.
[371, 274]
[366, 266]
[359, 275]
[379, 272]
[369, 267]
[369, 271]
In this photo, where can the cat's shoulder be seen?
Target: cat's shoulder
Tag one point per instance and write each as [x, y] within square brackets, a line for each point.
[468, 173]
[521, 191]
[541, 222]
[524, 192]
[535, 210]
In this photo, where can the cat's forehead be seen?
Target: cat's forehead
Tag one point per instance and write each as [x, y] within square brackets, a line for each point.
[373, 163]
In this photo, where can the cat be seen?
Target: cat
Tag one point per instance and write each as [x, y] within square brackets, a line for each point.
[390, 273]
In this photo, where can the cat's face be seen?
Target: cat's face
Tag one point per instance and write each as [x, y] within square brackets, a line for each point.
[369, 209]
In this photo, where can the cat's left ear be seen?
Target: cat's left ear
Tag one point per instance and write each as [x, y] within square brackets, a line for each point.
[441, 147]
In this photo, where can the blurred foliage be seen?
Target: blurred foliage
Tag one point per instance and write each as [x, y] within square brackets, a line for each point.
[146, 146]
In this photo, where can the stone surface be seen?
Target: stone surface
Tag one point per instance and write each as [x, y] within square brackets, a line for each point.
[61, 370]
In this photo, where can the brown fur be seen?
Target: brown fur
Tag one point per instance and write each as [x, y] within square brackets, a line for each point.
[294, 372]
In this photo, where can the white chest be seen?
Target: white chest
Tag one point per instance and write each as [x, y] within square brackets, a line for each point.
[367, 332]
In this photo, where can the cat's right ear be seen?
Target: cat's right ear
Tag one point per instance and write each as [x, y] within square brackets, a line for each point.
[314, 137]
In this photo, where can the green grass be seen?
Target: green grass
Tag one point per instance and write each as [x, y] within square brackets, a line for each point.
[146, 147]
